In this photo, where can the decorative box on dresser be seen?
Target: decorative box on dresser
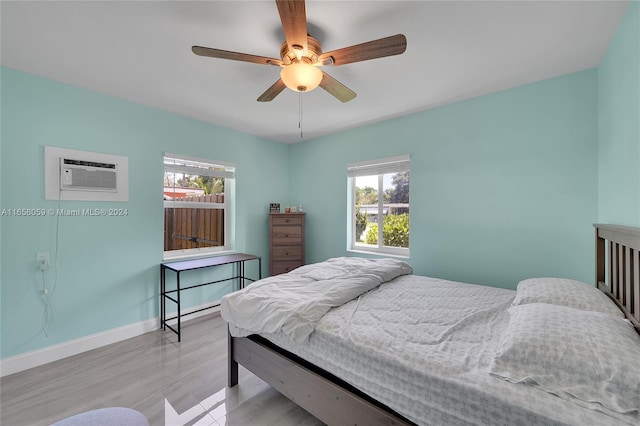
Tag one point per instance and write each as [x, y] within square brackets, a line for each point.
[286, 234]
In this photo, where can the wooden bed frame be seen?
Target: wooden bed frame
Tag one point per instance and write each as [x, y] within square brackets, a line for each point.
[333, 401]
[618, 267]
[328, 398]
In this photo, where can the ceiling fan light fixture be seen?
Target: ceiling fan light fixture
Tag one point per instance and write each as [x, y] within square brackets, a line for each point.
[301, 77]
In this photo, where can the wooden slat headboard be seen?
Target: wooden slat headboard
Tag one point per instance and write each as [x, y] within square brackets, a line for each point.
[618, 267]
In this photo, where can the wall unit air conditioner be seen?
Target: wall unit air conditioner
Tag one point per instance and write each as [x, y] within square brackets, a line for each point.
[83, 175]
[70, 174]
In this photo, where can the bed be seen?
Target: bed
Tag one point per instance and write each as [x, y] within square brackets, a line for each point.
[452, 353]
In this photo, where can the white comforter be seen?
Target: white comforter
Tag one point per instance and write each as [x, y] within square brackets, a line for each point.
[293, 303]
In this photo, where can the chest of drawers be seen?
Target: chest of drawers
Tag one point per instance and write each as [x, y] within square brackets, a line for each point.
[286, 237]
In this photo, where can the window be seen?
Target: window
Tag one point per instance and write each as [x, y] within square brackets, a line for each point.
[379, 206]
[197, 196]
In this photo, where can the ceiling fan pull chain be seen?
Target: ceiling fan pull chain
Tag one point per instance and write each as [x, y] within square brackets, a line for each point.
[300, 113]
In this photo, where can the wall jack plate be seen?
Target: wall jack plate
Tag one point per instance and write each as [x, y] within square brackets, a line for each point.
[42, 260]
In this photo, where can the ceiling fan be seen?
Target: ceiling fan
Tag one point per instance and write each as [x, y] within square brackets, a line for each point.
[301, 55]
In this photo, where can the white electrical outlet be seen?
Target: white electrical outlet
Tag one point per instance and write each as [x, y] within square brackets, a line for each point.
[42, 260]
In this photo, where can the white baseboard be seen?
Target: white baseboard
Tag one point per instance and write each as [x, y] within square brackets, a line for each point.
[52, 353]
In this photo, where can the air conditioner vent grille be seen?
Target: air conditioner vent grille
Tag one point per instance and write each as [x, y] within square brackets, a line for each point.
[89, 164]
[86, 179]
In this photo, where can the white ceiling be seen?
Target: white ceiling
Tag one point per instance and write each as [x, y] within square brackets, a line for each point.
[141, 51]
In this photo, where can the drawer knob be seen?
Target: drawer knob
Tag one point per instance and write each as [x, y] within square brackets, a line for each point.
[286, 235]
[286, 220]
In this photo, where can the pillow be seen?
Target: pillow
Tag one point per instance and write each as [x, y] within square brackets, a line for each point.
[565, 292]
[585, 357]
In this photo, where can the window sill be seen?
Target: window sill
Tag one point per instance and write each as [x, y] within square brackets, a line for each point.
[196, 255]
[380, 253]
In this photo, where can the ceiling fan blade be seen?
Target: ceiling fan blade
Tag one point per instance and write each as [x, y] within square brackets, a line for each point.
[388, 46]
[225, 54]
[294, 23]
[272, 91]
[337, 89]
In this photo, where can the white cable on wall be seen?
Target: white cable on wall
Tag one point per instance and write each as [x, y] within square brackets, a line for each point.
[47, 314]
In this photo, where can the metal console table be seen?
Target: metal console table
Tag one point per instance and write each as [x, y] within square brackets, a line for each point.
[178, 267]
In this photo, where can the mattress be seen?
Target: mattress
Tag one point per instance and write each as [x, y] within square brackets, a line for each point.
[423, 347]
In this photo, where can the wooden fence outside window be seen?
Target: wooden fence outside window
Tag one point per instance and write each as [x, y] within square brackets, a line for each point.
[188, 228]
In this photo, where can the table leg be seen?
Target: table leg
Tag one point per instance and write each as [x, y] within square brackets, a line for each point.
[163, 314]
[178, 299]
[241, 274]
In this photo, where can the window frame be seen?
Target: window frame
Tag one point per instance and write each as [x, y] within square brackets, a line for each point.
[379, 167]
[202, 167]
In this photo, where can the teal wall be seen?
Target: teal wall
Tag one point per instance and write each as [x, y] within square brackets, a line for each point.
[108, 269]
[503, 186]
[619, 125]
[1, 239]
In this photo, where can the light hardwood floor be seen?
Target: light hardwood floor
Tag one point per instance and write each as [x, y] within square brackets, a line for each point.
[172, 384]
